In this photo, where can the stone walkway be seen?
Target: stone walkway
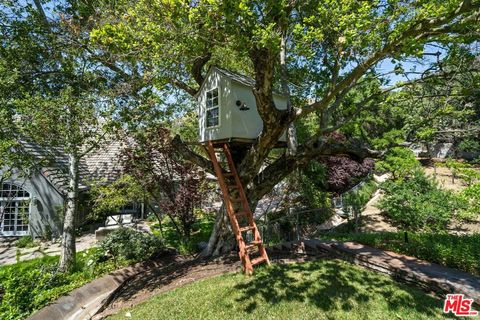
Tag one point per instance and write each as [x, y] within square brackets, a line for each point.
[430, 276]
[372, 218]
[10, 253]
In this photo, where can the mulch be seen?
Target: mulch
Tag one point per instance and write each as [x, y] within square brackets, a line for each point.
[176, 271]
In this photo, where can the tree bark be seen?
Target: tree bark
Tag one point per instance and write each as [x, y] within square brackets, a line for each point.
[292, 142]
[222, 239]
[68, 250]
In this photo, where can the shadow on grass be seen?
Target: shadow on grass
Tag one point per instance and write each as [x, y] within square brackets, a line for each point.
[331, 285]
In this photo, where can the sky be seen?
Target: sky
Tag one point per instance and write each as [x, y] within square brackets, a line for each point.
[415, 67]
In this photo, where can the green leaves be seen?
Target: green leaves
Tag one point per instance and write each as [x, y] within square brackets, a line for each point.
[109, 198]
[417, 203]
[400, 162]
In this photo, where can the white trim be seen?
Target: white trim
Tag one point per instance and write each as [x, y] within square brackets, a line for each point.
[16, 201]
[218, 106]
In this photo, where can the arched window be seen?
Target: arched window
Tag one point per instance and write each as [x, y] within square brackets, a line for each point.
[14, 210]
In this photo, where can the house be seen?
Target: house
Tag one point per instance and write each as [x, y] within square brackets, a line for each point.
[33, 203]
[227, 107]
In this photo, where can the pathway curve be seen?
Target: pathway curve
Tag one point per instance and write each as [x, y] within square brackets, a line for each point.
[372, 218]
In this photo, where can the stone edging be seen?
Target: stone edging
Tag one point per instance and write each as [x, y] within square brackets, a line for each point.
[78, 304]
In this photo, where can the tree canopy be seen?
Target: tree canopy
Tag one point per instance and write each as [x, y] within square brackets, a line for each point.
[327, 57]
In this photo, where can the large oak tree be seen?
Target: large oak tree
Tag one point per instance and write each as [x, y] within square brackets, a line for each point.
[324, 55]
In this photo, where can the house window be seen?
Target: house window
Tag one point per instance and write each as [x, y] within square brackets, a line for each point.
[14, 210]
[129, 208]
[213, 108]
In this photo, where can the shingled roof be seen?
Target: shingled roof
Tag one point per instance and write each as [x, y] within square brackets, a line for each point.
[237, 77]
[248, 81]
[105, 163]
[102, 165]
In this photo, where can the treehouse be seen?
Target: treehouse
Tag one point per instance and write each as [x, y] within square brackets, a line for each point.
[227, 108]
[228, 118]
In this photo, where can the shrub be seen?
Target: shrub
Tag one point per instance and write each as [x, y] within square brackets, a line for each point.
[417, 203]
[25, 242]
[344, 172]
[201, 231]
[30, 285]
[469, 145]
[471, 200]
[460, 252]
[469, 175]
[400, 162]
[129, 245]
[358, 199]
[455, 167]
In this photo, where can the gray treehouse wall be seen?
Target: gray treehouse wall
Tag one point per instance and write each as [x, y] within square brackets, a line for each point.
[238, 117]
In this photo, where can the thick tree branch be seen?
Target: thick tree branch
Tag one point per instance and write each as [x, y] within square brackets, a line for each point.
[264, 65]
[198, 65]
[182, 85]
[182, 149]
[41, 12]
[286, 164]
[419, 31]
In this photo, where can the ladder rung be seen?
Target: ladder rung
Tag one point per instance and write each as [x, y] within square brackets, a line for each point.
[241, 213]
[253, 244]
[258, 260]
[247, 228]
[235, 201]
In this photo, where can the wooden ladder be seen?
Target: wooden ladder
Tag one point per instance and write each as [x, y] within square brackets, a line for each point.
[251, 252]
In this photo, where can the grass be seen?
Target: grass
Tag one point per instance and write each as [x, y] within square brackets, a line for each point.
[200, 232]
[459, 252]
[322, 289]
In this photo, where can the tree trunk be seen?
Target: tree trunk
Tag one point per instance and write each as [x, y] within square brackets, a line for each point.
[292, 143]
[67, 255]
[222, 239]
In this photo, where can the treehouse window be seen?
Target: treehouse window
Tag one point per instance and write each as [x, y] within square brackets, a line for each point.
[213, 109]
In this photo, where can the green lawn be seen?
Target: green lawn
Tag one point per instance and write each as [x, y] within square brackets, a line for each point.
[323, 289]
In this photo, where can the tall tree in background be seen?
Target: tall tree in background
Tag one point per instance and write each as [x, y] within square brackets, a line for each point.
[60, 95]
[435, 109]
[331, 51]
